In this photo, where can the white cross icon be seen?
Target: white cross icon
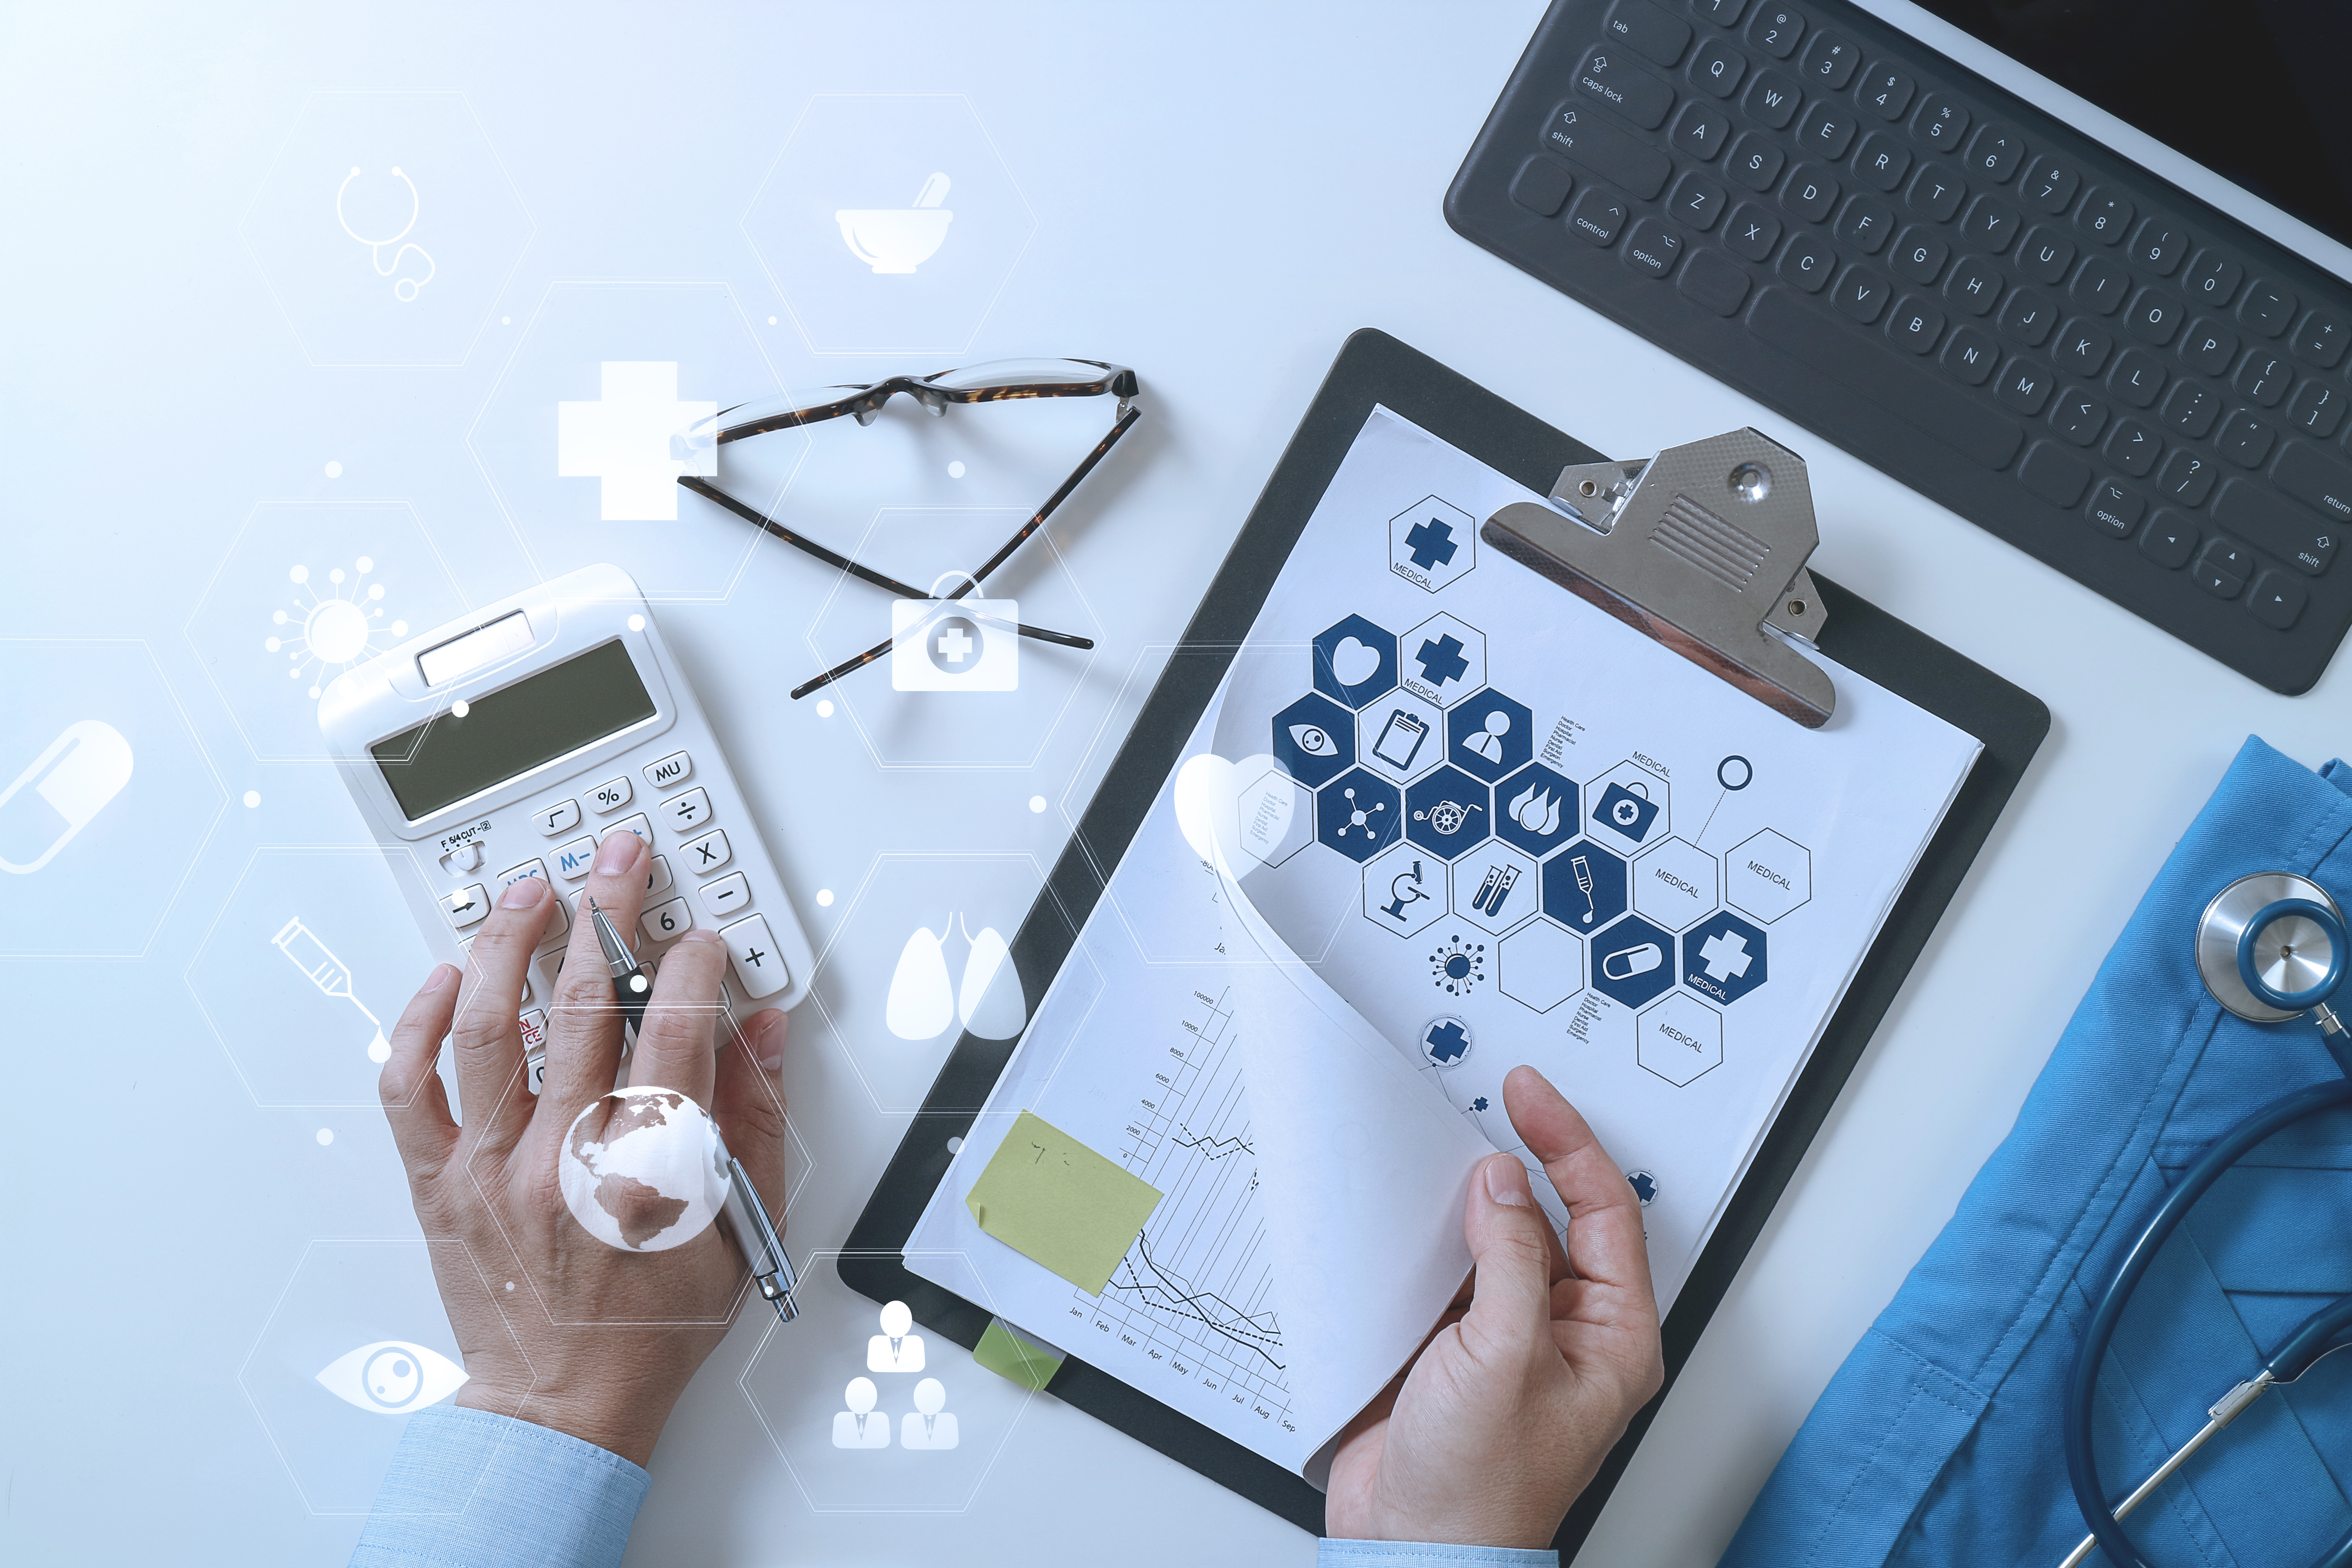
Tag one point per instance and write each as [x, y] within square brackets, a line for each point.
[955, 643]
[636, 441]
[1725, 955]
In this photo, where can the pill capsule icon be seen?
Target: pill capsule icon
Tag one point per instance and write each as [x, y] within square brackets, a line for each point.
[55, 798]
[1629, 961]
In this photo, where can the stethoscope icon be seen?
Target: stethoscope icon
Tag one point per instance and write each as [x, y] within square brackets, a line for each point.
[403, 289]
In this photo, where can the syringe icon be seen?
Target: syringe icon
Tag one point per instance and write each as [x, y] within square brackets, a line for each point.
[331, 975]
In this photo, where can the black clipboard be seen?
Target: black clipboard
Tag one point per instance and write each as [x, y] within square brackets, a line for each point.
[1374, 368]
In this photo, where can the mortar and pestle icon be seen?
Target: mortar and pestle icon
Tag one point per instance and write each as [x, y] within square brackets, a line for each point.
[899, 239]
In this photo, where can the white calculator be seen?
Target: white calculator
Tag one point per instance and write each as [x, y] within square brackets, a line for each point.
[505, 745]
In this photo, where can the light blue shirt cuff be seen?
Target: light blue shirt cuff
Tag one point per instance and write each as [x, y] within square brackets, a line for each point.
[472, 1489]
[1423, 1554]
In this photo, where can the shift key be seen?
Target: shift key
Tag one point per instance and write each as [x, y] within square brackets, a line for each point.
[2245, 507]
[2325, 483]
[1617, 156]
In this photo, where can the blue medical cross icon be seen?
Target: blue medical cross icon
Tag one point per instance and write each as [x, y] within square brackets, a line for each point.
[1432, 542]
[1446, 1042]
[1441, 658]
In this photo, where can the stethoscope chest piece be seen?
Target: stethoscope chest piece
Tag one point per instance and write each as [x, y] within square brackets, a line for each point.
[2294, 951]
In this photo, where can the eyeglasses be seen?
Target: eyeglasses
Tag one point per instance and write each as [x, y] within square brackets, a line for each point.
[998, 382]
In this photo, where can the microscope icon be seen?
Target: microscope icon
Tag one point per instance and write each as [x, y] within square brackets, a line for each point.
[1404, 891]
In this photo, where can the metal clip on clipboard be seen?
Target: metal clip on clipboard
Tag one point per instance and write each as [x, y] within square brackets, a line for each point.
[1703, 548]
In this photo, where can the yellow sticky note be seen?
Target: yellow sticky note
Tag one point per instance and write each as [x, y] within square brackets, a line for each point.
[1050, 1197]
[1009, 1355]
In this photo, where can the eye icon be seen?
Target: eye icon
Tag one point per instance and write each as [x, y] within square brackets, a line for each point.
[392, 1377]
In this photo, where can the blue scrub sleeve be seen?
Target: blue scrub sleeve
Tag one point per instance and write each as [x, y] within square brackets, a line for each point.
[468, 1487]
[1423, 1554]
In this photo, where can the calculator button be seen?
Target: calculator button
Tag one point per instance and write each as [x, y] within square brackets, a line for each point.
[574, 860]
[674, 769]
[610, 795]
[707, 853]
[687, 811]
[757, 962]
[559, 927]
[513, 874]
[664, 921]
[534, 1046]
[657, 880]
[466, 905]
[637, 825]
[727, 895]
[554, 820]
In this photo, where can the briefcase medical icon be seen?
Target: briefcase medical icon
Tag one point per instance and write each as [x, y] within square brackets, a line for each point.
[1628, 808]
[954, 645]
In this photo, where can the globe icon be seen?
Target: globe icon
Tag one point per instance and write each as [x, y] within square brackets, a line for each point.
[640, 1169]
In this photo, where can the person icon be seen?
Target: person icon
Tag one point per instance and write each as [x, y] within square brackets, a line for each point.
[894, 1349]
[927, 1426]
[858, 1426]
[1488, 741]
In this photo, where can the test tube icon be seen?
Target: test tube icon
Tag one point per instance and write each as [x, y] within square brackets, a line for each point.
[331, 975]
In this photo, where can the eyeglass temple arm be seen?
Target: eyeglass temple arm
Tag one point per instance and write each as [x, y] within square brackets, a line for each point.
[1127, 415]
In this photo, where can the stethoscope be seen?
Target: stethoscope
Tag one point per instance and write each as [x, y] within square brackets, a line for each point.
[405, 290]
[2270, 948]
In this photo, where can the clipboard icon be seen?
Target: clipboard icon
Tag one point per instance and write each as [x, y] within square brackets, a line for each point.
[1400, 739]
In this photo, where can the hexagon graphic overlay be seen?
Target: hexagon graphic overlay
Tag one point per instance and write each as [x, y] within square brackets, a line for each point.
[1432, 542]
[1768, 876]
[1680, 1039]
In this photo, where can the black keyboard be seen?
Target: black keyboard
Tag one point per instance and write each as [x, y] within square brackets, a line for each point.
[2071, 353]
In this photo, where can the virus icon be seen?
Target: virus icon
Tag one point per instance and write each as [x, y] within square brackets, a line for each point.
[328, 632]
[1458, 967]
[1360, 818]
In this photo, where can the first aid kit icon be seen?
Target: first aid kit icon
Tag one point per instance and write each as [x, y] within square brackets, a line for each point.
[57, 795]
[955, 645]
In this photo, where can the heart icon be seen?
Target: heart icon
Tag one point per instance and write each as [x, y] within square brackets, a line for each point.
[1353, 662]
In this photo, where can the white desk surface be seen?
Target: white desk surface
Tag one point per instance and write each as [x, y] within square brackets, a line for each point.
[1220, 193]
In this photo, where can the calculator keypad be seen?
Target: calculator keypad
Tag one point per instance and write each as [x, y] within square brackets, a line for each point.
[553, 819]
[687, 811]
[610, 797]
[664, 921]
[728, 894]
[674, 769]
[574, 860]
[513, 874]
[466, 905]
[753, 947]
[707, 853]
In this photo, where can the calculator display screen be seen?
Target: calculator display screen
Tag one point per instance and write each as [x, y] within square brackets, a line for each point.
[512, 730]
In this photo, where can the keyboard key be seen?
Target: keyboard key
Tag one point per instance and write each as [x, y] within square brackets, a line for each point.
[1934, 194]
[1541, 186]
[674, 769]
[2099, 285]
[2209, 576]
[707, 853]
[686, 812]
[576, 859]
[1776, 30]
[465, 907]
[2316, 409]
[2079, 416]
[1696, 201]
[1597, 216]
[2230, 557]
[2104, 216]
[2083, 348]
[2028, 317]
[2192, 409]
[1648, 30]
[1617, 156]
[2305, 474]
[1882, 161]
[1752, 232]
[1974, 286]
[2025, 386]
[1919, 255]
[1809, 193]
[2246, 439]
[1829, 62]
[2153, 317]
[2170, 540]
[555, 818]
[2054, 474]
[1772, 99]
[1714, 282]
[1701, 130]
[2188, 478]
[2305, 540]
[1941, 121]
[1722, 12]
[610, 795]
[1885, 91]
[2115, 509]
[1971, 355]
[1861, 294]
[1867, 371]
[2050, 185]
[665, 921]
[1630, 90]
[2320, 338]
[757, 964]
[1865, 223]
[2209, 346]
[727, 895]
[2266, 309]
[2133, 448]
[2213, 279]
[2158, 246]
[1995, 151]
[1827, 132]
[1755, 161]
[1652, 248]
[2277, 600]
[2264, 378]
[1916, 324]
[2137, 377]
[1808, 263]
[1717, 67]
[2046, 255]
[1990, 225]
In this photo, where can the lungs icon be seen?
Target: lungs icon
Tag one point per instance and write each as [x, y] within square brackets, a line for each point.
[924, 1001]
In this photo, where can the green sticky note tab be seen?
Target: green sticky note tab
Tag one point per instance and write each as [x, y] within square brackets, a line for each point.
[1012, 1357]
[1050, 1197]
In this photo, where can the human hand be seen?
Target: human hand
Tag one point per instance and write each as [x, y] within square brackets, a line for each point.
[1532, 1374]
[556, 1327]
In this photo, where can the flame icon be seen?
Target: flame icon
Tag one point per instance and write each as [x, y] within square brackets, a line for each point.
[1538, 815]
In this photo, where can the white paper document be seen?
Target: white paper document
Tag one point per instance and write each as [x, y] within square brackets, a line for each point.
[1443, 819]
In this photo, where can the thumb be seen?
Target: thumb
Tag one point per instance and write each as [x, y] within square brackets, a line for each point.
[1512, 1245]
